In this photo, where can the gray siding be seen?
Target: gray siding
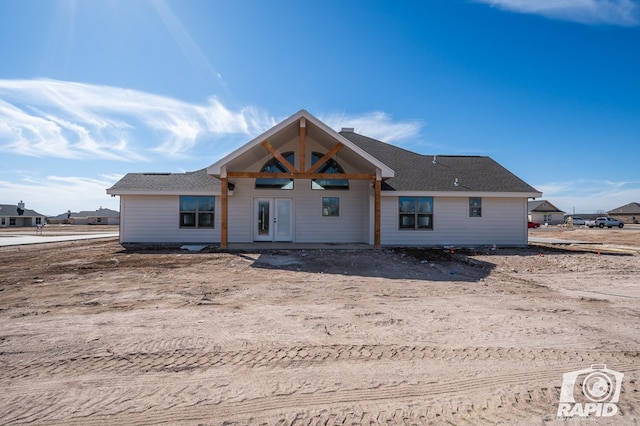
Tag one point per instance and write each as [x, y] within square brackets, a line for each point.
[503, 223]
[154, 219]
[309, 226]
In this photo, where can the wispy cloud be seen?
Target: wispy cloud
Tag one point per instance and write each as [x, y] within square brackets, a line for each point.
[377, 125]
[50, 118]
[591, 12]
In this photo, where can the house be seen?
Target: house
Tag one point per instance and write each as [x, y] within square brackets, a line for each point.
[629, 213]
[303, 182]
[542, 211]
[18, 216]
[101, 216]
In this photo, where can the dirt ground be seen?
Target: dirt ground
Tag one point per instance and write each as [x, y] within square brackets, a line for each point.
[93, 334]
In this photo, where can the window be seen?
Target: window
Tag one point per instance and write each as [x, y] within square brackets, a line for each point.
[3, 221]
[275, 166]
[330, 206]
[38, 221]
[475, 207]
[12, 221]
[415, 212]
[331, 166]
[196, 212]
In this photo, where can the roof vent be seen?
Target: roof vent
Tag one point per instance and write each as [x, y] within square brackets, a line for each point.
[348, 129]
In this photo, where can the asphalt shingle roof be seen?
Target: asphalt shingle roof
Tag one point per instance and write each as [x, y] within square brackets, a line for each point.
[413, 172]
[542, 206]
[631, 208]
[190, 181]
[12, 210]
[88, 213]
[417, 172]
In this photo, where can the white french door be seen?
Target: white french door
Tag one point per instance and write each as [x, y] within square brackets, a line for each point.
[273, 219]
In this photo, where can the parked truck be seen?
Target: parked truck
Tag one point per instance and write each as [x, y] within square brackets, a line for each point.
[603, 221]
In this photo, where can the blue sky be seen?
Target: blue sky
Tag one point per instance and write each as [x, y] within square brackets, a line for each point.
[91, 90]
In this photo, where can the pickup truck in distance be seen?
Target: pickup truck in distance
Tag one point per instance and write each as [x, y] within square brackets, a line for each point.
[601, 222]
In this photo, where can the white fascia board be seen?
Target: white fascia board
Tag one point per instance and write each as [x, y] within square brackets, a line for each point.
[461, 194]
[161, 192]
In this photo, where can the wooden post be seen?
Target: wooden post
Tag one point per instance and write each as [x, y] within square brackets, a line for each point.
[224, 213]
[376, 235]
[303, 134]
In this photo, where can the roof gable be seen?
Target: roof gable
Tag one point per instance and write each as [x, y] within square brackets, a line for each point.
[288, 129]
[631, 208]
[543, 206]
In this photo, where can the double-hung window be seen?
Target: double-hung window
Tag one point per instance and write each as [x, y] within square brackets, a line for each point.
[475, 207]
[415, 213]
[197, 211]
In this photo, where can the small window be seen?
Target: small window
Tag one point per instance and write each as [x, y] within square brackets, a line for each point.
[196, 212]
[415, 213]
[330, 206]
[12, 221]
[475, 207]
[38, 221]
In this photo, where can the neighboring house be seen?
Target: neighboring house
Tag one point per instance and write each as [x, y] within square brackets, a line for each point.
[629, 213]
[87, 217]
[303, 182]
[542, 211]
[17, 216]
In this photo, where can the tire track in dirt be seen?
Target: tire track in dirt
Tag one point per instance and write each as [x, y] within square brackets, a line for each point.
[114, 399]
[523, 395]
[196, 355]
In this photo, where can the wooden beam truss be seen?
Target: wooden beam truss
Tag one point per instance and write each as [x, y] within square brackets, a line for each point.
[293, 173]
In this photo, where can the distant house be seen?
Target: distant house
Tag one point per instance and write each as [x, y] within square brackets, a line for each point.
[629, 213]
[17, 216]
[542, 211]
[87, 217]
[303, 182]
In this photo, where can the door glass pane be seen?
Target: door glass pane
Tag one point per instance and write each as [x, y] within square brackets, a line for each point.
[284, 218]
[263, 218]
